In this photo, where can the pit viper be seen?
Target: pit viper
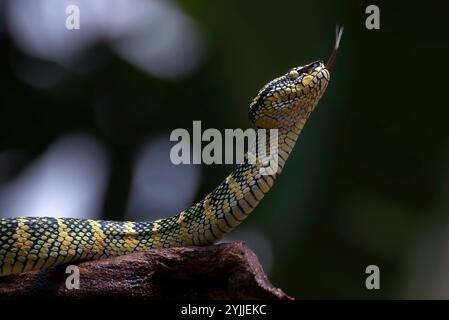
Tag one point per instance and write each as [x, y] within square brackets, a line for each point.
[285, 103]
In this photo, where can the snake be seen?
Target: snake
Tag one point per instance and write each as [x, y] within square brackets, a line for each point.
[284, 104]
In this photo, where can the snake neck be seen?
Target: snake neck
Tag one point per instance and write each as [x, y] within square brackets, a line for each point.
[232, 201]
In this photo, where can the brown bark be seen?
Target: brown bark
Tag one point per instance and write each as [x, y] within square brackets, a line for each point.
[224, 271]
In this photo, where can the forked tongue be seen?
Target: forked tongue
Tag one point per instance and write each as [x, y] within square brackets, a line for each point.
[338, 34]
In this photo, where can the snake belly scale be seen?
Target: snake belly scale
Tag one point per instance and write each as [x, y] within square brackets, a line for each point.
[285, 104]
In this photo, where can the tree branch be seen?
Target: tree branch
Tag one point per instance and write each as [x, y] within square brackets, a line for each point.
[224, 271]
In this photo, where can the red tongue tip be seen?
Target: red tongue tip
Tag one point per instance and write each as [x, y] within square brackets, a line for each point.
[338, 34]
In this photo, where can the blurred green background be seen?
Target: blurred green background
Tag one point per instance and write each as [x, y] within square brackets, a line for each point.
[367, 183]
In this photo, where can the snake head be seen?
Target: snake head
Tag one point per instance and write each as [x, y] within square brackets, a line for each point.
[289, 95]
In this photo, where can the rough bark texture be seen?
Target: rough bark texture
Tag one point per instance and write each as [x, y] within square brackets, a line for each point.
[224, 271]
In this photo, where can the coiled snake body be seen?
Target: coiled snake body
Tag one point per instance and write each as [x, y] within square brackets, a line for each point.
[37, 243]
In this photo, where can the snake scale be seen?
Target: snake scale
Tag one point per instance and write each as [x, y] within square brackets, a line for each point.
[285, 104]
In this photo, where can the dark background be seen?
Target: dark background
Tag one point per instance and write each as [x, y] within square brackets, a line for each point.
[84, 129]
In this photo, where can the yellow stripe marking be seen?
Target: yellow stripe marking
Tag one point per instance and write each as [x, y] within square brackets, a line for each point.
[186, 237]
[22, 244]
[99, 245]
[234, 187]
[156, 236]
[209, 212]
[130, 241]
[65, 241]
[210, 219]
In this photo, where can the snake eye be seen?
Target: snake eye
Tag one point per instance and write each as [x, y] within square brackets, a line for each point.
[293, 74]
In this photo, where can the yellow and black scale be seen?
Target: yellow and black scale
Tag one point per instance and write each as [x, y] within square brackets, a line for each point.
[284, 104]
